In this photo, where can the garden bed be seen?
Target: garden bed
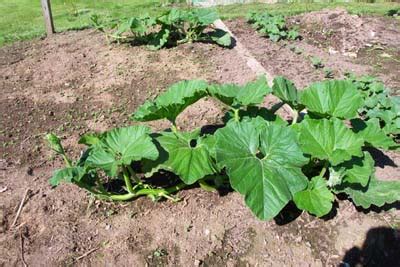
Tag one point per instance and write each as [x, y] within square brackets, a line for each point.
[75, 82]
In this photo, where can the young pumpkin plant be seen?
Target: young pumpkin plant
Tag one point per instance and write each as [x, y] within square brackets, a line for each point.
[264, 158]
[174, 27]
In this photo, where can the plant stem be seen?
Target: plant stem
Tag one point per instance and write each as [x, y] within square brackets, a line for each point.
[236, 114]
[134, 176]
[173, 127]
[323, 171]
[295, 116]
[127, 180]
[67, 161]
[159, 192]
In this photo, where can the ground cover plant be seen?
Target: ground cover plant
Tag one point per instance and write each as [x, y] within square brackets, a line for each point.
[322, 152]
[172, 28]
[273, 27]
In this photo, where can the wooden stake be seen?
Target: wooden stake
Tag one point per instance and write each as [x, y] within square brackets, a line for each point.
[48, 17]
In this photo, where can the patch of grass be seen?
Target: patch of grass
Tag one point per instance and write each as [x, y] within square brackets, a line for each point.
[22, 19]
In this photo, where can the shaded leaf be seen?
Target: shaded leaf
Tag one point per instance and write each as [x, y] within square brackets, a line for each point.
[287, 92]
[372, 133]
[357, 170]
[67, 175]
[377, 192]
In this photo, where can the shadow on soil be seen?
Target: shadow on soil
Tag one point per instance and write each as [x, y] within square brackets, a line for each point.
[381, 248]
[381, 160]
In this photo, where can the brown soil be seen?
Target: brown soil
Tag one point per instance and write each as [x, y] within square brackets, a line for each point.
[74, 83]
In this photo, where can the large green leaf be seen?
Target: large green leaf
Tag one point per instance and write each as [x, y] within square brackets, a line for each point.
[263, 164]
[372, 133]
[287, 92]
[329, 140]
[253, 93]
[172, 102]
[186, 154]
[357, 170]
[377, 192]
[335, 98]
[316, 199]
[203, 16]
[121, 146]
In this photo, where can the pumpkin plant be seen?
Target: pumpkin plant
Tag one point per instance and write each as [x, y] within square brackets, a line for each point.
[319, 153]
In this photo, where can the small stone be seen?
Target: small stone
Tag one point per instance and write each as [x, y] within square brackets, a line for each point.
[197, 262]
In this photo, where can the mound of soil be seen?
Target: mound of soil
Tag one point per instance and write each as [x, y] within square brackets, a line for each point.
[344, 32]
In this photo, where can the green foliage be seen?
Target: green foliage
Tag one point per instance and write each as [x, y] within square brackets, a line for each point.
[272, 26]
[186, 154]
[317, 62]
[171, 103]
[257, 153]
[263, 164]
[328, 140]
[174, 27]
[380, 111]
[336, 98]
[317, 199]
[120, 147]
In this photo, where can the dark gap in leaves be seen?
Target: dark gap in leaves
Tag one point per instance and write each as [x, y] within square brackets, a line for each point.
[115, 186]
[260, 155]
[210, 129]
[163, 179]
[193, 143]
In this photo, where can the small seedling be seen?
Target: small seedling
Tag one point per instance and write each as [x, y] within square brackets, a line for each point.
[328, 73]
[317, 62]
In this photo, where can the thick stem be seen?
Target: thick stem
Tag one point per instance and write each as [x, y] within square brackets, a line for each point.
[67, 161]
[173, 127]
[236, 114]
[295, 116]
[158, 192]
[127, 180]
[323, 171]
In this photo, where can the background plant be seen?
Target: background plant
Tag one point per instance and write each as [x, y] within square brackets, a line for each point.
[272, 26]
[172, 28]
[319, 153]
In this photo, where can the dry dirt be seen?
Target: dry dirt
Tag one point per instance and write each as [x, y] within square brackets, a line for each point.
[75, 82]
